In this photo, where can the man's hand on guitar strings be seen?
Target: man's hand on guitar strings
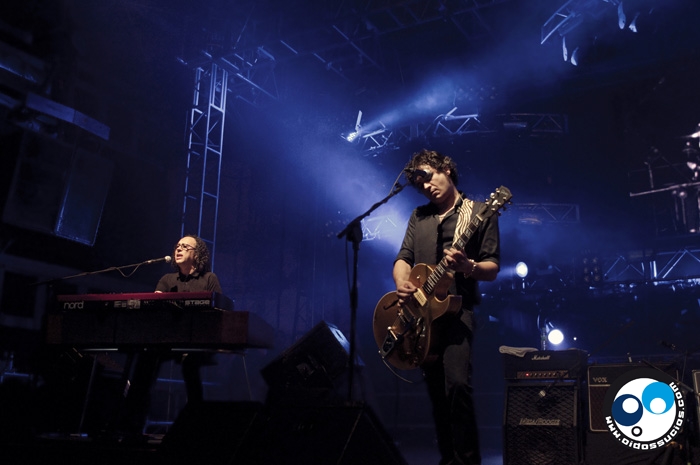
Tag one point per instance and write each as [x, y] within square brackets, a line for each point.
[405, 291]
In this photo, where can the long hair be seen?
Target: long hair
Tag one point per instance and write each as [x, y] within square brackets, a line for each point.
[201, 255]
[435, 160]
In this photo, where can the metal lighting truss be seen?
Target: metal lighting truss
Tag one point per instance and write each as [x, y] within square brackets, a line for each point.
[570, 15]
[450, 125]
[383, 226]
[378, 228]
[252, 76]
[344, 38]
[346, 41]
[205, 139]
[678, 266]
[560, 213]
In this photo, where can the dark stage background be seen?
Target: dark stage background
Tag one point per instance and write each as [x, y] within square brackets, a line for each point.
[584, 109]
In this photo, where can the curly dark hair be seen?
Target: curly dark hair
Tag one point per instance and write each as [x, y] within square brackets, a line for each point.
[435, 160]
[201, 255]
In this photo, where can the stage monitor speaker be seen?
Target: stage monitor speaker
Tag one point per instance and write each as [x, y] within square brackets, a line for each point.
[541, 424]
[600, 377]
[212, 433]
[323, 435]
[248, 433]
[316, 360]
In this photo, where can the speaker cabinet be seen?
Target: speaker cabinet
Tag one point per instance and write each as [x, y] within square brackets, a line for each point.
[541, 424]
[214, 433]
[323, 435]
[600, 377]
[58, 189]
[316, 360]
[604, 449]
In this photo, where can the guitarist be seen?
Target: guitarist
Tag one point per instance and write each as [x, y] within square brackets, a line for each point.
[428, 238]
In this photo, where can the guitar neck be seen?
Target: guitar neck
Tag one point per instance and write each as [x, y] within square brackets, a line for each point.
[495, 202]
[459, 244]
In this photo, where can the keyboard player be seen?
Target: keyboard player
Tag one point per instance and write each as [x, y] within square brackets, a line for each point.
[192, 274]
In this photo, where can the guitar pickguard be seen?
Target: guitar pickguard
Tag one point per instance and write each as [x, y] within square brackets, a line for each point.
[403, 333]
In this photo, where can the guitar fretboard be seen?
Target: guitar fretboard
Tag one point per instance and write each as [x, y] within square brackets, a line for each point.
[491, 206]
[459, 244]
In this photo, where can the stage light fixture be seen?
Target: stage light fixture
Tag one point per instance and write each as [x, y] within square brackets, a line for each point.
[592, 270]
[521, 270]
[554, 335]
[353, 136]
[574, 57]
[633, 24]
[696, 134]
[621, 17]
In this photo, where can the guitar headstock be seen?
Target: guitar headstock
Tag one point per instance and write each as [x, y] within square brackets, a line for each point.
[497, 200]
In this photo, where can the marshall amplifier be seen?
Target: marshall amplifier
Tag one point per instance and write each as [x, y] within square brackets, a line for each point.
[541, 423]
[545, 364]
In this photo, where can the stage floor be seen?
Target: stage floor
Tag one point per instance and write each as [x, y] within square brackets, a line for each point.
[76, 450]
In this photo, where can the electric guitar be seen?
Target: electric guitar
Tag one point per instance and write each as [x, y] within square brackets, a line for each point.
[403, 332]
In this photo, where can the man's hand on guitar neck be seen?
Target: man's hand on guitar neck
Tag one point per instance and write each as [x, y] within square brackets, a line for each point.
[457, 260]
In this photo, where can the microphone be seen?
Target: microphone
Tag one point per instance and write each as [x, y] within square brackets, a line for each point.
[414, 175]
[166, 259]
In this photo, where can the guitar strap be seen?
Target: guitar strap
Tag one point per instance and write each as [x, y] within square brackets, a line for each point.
[464, 217]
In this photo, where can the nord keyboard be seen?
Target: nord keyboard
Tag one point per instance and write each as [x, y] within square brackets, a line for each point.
[144, 300]
[169, 320]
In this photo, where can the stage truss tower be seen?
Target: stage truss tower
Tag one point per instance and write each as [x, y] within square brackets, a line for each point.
[205, 140]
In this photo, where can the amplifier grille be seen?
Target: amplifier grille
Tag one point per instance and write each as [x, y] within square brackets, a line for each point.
[541, 424]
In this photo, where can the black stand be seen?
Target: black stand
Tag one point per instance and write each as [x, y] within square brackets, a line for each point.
[353, 231]
[91, 380]
[683, 447]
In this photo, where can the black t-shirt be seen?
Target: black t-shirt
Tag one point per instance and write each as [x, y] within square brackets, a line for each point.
[195, 282]
[426, 238]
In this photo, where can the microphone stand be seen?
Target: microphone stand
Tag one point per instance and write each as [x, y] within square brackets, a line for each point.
[111, 268]
[669, 449]
[353, 232]
[135, 267]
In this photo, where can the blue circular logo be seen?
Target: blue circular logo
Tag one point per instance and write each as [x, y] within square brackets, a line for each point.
[644, 409]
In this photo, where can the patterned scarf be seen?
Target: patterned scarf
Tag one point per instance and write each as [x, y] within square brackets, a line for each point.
[464, 218]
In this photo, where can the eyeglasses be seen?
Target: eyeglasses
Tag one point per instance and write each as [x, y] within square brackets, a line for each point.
[185, 247]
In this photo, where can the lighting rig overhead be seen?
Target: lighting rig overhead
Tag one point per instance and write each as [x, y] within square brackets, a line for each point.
[377, 137]
[574, 13]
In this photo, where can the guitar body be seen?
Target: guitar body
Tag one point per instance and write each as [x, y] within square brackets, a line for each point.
[404, 333]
